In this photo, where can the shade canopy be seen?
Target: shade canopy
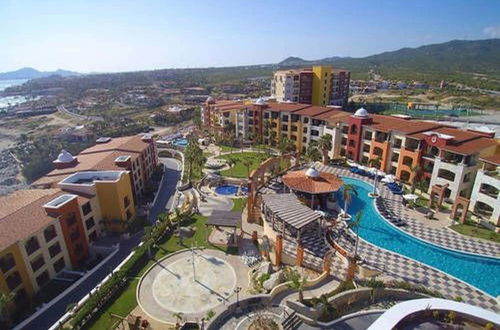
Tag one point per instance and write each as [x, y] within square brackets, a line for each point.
[287, 208]
[319, 183]
[224, 218]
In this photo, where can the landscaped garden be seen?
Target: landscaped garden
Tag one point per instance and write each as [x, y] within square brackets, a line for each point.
[125, 300]
[476, 230]
[242, 163]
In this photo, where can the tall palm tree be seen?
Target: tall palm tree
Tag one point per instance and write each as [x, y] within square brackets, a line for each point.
[325, 145]
[285, 145]
[348, 192]
[354, 225]
[415, 171]
[375, 163]
[312, 152]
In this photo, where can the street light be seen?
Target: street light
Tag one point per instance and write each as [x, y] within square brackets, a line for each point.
[237, 291]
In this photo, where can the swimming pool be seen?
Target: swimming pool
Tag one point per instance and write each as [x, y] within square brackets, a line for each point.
[180, 142]
[229, 189]
[481, 272]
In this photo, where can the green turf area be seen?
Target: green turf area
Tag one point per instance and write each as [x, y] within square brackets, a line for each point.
[239, 170]
[475, 230]
[126, 301]
[239, 204]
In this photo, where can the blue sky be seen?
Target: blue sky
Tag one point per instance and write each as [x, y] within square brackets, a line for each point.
[99, 36]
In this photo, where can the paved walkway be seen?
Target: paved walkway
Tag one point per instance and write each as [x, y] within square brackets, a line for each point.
[436, 235]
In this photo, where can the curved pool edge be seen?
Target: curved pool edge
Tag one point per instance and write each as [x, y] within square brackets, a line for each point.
[424, 242]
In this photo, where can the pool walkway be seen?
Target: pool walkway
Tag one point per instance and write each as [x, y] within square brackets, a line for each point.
[440, 236]
[397, 267]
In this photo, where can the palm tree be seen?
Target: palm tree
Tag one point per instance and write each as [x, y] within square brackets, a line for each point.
[354, 225]
[375, 163]
[325, 145]
[179, 316]
[312, 152]
[415, 171]
[285, 145]
[247, 163]
[348, 192]
[297, 282]
[5, 301]
[324, 307]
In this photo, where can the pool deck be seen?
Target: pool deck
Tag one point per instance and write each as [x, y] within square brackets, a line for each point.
[398, 267]
[433, 231]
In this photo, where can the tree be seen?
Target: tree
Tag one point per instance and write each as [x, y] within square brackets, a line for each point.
[193, 155]
[247, 163]
[285, 145]
[325, 145]
[415, 171]
[324, 307]
[347, 193]
[375, 163]
[5, 301]
[179, 316]
[297, 282]
[312, 152]
[354, 225]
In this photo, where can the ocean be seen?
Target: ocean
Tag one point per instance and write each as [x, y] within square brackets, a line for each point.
[11, 100]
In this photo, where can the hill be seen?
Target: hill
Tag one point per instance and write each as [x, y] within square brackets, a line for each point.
[30, 73]
[471, 62]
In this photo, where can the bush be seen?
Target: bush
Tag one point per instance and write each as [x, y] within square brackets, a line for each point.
[262, 278]
[374, 283]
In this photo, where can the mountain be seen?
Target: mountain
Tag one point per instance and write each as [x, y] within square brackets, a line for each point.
[30, 73]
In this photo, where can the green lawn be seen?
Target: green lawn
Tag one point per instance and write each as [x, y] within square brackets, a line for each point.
[475, 230]
[228, 149]
[126, 301]
[239, 204]
[239, 170]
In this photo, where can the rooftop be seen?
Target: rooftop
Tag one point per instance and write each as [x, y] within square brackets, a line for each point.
[311, 181]
[290, 210]
[22, 214]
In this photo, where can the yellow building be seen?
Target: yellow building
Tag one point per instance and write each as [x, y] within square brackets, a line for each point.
[322, 78]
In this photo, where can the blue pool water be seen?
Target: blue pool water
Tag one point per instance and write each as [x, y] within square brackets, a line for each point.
[481, 272]
[229, 189]
[180, 142]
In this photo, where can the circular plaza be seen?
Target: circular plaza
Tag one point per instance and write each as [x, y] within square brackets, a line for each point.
[191, 283]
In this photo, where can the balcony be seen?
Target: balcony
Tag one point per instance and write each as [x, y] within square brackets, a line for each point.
[381, 137]
[7, 263]
[412, 145]
[488, 190]
[447, 175]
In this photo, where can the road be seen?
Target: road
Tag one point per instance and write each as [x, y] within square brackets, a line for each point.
[56, 311]
[63, 109]
[167, 190]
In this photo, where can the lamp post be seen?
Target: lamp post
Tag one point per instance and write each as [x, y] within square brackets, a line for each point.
[237, 291]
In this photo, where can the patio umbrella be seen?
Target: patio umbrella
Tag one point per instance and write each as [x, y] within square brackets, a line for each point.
[387, 180]
[410, 197]
[363, 168]
[351, 163]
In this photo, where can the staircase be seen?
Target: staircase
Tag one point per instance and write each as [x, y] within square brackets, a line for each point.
[291, 322]
[254, 215]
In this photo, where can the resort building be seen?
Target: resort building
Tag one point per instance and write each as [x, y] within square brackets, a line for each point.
[485, 199]
[319, 85]
[430, 153]
[41, 235]
[136, 154]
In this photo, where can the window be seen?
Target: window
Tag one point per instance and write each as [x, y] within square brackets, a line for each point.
[49, 233]
[7, 262]
[294, 128]
[13, 280]
[352, 143]
[37, 263]
[59, 265]
[42, 279]
[31, 245]
[408, 161]
[304, 130]
[304, 139]
[266, 115]
[54, 250]
[284, 127]
[93, 236]
[86, 208]
[89, 223]
[306, 120]
[314, 132]
[354, 129]
[126, 201]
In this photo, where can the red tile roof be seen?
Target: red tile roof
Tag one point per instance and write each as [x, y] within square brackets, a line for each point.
[23, 214]
[313, 111]
[325, 183]
[493, 159]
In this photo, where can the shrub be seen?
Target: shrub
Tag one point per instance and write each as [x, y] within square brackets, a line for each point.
[374, 283]
[262, 278]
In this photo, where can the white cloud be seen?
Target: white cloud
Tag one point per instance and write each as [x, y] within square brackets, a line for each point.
[492, 31]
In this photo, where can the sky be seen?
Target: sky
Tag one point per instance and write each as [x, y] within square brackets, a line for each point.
[111, 36]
